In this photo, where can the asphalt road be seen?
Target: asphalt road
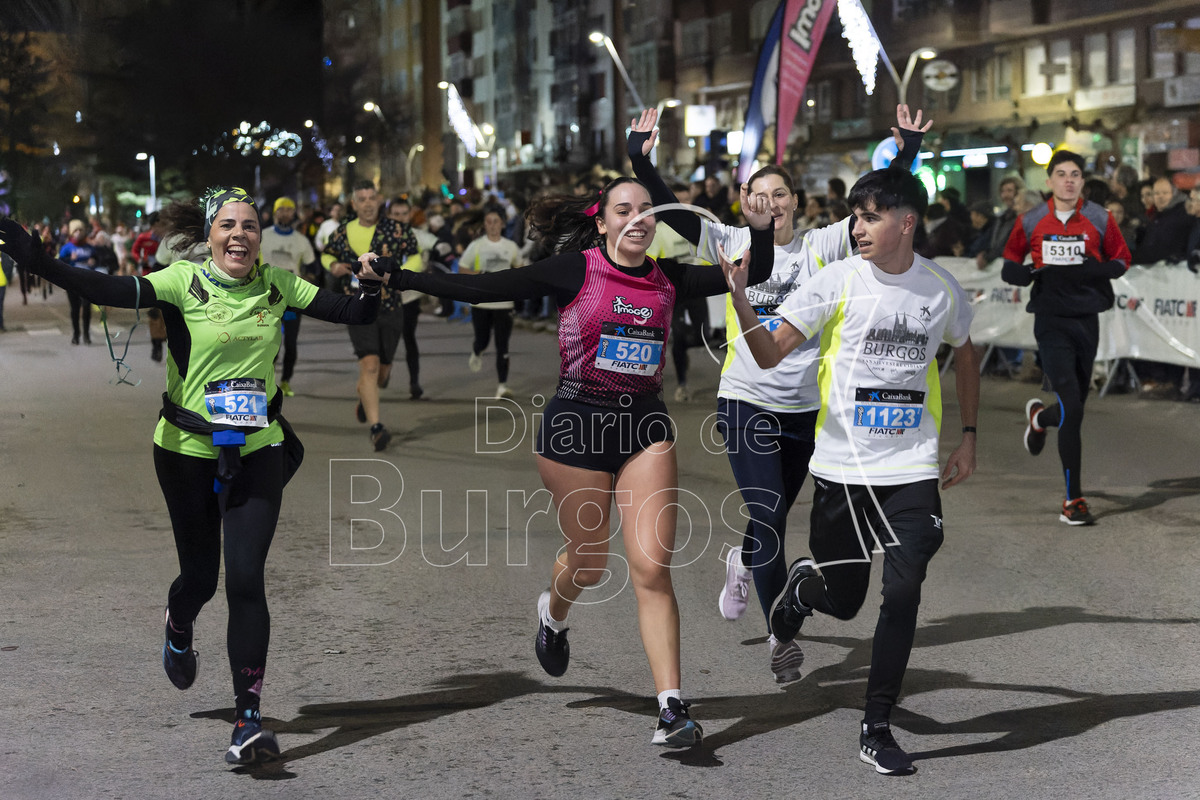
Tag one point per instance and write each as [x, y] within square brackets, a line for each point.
[1051, 662]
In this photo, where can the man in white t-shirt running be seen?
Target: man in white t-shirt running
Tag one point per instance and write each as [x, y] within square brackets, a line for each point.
[880, 317]
[285, 247]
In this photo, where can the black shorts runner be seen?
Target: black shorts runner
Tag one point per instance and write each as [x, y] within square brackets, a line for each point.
[601, 438]
[379, 338]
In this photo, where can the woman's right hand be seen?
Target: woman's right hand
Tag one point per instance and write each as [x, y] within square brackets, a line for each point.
[735, 274]
[645, 124]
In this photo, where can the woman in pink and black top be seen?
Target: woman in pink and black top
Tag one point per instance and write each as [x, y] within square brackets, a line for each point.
[607, 430]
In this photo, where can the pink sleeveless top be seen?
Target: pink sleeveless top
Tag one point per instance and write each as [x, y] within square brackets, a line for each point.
[613, 336]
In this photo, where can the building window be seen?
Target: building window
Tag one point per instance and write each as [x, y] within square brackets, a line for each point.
[695, 37]
[1059, 68]
[1124, 51]
[824, 101]
[979, 81]
[1162, 62]
[722, 35]
[1035, 70]
[1095, 60]
[760, 21]
[1191, 59]
[1004, 72]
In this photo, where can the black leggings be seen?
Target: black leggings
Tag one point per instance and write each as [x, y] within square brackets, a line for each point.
[485, 320]
[249, 511]
[80, 308]
[846, 522]
[412, 356]
[685, 334]
[1067, 350]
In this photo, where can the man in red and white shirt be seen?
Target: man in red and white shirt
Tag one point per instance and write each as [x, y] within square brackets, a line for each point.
[1077, 251]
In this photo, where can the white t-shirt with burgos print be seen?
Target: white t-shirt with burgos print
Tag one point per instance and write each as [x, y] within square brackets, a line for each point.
[790, 386]
[881, 403]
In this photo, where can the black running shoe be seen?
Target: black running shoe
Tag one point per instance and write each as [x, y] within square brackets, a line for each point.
[380, 436]
[877, 747]
[359, 413]
[180, 665]
[676, 727]
[788, 613]
[1035, 438]
[553, 650]
[251, 743]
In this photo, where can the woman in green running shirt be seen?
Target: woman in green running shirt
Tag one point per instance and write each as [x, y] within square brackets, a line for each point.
[219, 447]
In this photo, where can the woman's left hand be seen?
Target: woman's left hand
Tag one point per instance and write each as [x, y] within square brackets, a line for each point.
[645, 124]
[756, 209]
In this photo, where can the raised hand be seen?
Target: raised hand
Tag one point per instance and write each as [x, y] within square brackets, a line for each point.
[756, 209]
[905, 121]
[645, 124]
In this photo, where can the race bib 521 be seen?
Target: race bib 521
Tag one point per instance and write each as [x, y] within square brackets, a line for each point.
[238, 401]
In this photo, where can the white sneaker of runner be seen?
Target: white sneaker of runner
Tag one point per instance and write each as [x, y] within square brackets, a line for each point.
[786, 659]
[736, 591]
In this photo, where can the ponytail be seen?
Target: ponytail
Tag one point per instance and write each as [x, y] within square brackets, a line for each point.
[567, 223]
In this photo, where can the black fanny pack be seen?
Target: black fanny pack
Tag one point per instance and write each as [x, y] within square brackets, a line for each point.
[228, 442]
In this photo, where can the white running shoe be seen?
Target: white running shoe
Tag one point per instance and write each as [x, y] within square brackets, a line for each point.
[502, 392]
[736, 591]
[682, 395]
[786, 659]
[475, 362]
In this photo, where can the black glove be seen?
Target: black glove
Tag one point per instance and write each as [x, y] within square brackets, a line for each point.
[1016, 274]
[382, 265]
[1094, 268]
[24, 247]
[912, 146]
[634, 143]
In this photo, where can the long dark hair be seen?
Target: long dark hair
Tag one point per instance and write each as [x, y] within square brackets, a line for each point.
[562, 221]
[185, 224]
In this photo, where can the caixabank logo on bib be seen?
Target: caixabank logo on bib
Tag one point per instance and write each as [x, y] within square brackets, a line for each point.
[895, 348]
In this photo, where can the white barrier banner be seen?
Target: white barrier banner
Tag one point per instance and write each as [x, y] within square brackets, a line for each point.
[1154, 317]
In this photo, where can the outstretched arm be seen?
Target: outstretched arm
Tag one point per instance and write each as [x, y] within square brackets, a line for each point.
[768, 348]
[95, 287]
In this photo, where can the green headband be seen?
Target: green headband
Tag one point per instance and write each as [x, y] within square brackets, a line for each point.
[215, 199]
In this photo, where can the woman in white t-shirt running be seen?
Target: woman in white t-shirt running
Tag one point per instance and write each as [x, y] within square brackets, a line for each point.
[767, 417]
[491, 253]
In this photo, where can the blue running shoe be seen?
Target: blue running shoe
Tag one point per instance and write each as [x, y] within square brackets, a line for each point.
[251, 743]
[676, 727]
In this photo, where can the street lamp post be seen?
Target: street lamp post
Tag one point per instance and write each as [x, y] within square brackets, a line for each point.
[153, 204]
[597, 38]
[408, 164]
[922, 54]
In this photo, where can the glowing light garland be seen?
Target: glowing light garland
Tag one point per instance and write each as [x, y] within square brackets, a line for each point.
[857, 31]
[460, 120]
[261, 139]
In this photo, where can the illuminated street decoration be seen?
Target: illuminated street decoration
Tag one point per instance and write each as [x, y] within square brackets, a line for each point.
[864, 45]
[261, 139]
[460, 120]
